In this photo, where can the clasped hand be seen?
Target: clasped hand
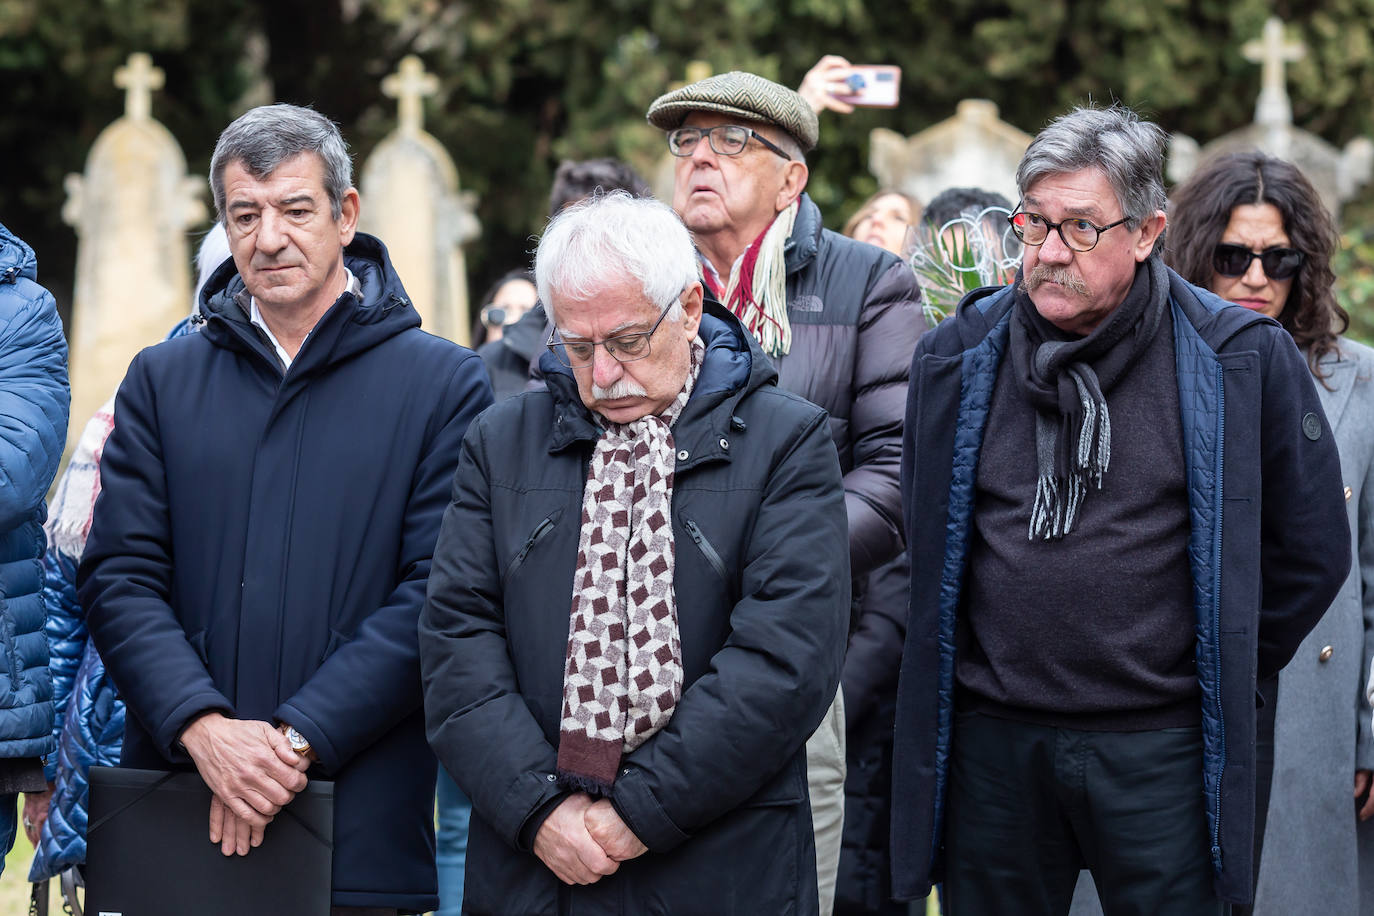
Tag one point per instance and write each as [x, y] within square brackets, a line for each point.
[252, 773]
[583, 840]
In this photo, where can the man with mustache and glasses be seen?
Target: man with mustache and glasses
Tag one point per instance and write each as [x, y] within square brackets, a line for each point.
[839, 318]
[637, 612]
[1123, 504]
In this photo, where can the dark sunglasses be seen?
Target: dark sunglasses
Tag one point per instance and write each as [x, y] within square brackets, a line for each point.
[1278, 263]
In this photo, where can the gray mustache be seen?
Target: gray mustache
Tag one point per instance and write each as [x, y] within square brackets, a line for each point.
[1066, 278]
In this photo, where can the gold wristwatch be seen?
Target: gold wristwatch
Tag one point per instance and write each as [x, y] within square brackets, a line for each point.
[298, 742]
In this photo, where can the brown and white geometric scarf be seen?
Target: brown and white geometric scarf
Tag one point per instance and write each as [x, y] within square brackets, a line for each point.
[624, 673]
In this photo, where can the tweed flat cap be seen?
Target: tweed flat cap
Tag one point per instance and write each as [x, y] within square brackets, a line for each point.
[744, 95]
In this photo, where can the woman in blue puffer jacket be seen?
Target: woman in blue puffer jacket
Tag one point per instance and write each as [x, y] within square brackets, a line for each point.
[33, 426]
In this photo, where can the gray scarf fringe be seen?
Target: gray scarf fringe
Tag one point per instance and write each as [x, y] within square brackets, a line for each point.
[1057, 499]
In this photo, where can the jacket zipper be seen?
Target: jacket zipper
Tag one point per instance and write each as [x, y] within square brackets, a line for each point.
[540, 530]
[1216, 609]
[705, 547]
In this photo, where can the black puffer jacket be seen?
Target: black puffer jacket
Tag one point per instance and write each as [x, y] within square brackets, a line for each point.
[856, 316]
[719, 795]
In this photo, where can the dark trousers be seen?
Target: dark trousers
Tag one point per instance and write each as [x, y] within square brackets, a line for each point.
[360, 911]
[1030, 805]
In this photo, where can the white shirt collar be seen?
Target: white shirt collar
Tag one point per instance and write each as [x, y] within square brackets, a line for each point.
[351, 285]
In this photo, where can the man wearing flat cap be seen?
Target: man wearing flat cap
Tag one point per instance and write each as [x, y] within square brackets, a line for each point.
[839, 318]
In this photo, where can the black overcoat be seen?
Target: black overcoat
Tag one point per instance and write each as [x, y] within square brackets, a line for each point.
[719, 796]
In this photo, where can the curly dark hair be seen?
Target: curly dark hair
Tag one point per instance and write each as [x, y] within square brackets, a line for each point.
[1200, 210]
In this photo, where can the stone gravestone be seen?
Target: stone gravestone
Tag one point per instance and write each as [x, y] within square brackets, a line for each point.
[131, 209]
[1336, 174]
[973, 149]
[411, 202]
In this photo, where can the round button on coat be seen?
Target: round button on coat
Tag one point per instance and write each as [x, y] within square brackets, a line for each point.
[1311, 426]
[1325, 654]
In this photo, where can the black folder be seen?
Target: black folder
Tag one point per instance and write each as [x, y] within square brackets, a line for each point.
[148, 851]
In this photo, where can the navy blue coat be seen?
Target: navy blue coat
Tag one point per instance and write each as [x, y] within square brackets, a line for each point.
[261, 546]
[719, 796]
[1268, 550]
[33, 427]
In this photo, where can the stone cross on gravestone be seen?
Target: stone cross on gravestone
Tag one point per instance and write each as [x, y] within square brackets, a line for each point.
[131, 208]
[410, 85]
[1272, 52]
[411, 201]
[139, 78]
[1336, 173]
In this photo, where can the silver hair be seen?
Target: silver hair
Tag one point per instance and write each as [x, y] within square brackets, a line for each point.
[608, 237]
[268, 135]
[1129, 151]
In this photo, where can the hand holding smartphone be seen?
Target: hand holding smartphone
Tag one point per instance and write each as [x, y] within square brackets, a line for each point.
[872, 86]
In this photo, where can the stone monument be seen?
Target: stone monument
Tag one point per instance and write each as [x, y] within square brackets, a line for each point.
[411, 202]
[131, 209]
[973, 149]
[1336, 173]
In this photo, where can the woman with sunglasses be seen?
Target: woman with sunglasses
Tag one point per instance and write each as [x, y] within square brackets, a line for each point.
[1252, 229]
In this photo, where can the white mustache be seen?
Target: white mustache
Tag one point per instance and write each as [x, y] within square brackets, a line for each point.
[625, 388]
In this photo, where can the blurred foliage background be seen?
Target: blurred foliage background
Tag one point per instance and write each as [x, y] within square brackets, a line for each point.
[528, 82]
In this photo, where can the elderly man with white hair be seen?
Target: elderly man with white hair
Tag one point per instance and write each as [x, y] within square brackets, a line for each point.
[638, 606]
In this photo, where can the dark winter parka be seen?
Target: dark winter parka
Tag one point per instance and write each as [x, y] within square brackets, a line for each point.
[261, 545]
[719, 796]
[1268, 549]
[856, 316]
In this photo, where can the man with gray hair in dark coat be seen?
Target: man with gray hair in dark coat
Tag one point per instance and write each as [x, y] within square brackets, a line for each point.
[1123, 503]
[270, 498]
[638, 608]
[837, 316]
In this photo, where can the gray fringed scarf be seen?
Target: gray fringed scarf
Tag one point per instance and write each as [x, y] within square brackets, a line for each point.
[1066, 380]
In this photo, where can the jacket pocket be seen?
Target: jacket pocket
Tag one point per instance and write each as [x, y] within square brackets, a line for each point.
[540, 532]
[705, 547]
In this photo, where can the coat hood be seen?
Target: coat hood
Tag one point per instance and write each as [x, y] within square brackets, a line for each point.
[734, 366]
[16, 258]
[351, 325]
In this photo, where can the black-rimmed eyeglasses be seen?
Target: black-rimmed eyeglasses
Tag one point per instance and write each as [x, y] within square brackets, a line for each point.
[1076, 234]
[625, 348]
[1278, 263]
[725, 139]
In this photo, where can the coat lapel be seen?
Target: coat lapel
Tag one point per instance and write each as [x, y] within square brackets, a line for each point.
[1334, 389]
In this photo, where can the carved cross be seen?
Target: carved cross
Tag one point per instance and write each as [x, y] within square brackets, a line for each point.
[1272, 52]
[138, 78]
[409, 85]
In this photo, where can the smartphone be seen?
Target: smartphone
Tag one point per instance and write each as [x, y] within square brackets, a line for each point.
[873, 86]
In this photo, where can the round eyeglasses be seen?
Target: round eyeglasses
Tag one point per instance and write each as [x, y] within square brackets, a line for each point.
[1278, 263]
[725, 140]
[1076, 234]
[625, 348]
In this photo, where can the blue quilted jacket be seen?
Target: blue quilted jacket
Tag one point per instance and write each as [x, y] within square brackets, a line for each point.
[1268, 549]
[33, 427]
